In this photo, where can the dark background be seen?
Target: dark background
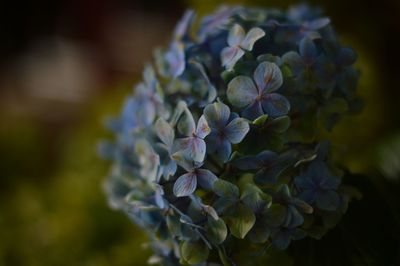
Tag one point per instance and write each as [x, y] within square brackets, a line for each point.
[65, 65]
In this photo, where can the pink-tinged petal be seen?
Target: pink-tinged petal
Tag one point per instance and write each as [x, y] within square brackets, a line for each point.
[191, 148]
[197, 149]
[251, 37]
[165, 132]
[185, 185]
[268, 77]
[236, 35]
[236, 130]
[186, 124]
[202, 129]
[241, 91]
[230, 55]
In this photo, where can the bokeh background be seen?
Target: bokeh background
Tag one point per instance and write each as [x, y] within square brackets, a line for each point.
[66, 65]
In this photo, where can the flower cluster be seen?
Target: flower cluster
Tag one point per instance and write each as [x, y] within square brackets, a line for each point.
[220, 141]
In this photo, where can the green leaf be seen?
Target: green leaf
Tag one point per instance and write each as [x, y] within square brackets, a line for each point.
[173, 224]
[241, 221]
[216, 230]
[224, 259]
[194, 252]
[259, 233]
[276, 215]
[280, 124]
[259, 121]
[225, 189]
[254, 198]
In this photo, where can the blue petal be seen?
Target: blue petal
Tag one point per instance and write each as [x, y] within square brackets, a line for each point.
[268, 77]
[303, 182]
[223, 150]
[294, 61]
[275, 105]
[169, 169]
[308, 196]
[236, 130]
[267, 157]
[241, 91]
[219, 146]
[294, 217]
[316, 24]
[308, 51]
[205, 178]
[217, 114]
[253, 111]
[185, 185]
[175, 58]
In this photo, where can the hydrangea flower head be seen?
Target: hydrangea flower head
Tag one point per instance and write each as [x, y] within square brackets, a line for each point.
[219, 146]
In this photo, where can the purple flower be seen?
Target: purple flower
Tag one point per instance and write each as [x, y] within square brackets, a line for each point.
[257, 97]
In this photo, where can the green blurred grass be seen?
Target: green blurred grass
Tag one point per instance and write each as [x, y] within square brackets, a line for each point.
[61, 217]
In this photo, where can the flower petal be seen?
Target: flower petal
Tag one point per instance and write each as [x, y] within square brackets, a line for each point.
[193, 148]
[241, 91]
[268, 77]
[303, 182]
[183, 25]
[251, 37]
[308, 50]
[186, 124]
[175, 58]
[230, 55]
[327, 200]
[202, 129]
[205, 178]
[223, 150]
[236, 130]
[185, 185]
[165, 132]
[316, 24]
[236, 35]
[346, 56]
[294, 61]
[275, 105]
[217, 114]
[253, 111]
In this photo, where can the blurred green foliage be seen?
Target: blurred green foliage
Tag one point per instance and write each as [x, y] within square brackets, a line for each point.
[59, 216]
